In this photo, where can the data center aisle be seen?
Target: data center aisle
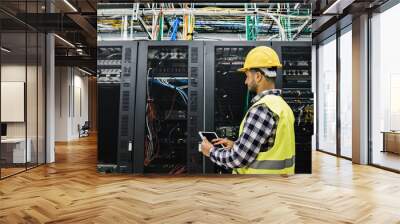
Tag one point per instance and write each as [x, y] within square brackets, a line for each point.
[71, 191]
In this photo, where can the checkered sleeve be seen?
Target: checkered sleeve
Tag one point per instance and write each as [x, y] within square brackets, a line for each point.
[259, 125]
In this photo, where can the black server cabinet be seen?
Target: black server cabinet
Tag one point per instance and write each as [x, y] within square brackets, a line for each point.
[169, 107]
[226, 95]
[295, 81]
[108, 113]
[127, 105]
[116, 80]
[229, 99]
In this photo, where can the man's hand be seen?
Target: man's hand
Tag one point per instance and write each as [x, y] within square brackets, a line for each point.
[224, 141]
[206, 147]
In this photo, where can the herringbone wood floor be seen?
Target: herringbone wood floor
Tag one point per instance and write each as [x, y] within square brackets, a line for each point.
[70, 191]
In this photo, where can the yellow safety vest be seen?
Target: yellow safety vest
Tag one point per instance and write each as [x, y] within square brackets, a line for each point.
[280, 159]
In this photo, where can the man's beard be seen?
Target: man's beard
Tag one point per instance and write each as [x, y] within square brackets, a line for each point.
[252, 87]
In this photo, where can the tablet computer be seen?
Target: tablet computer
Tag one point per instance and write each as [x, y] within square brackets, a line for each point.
[210, 136]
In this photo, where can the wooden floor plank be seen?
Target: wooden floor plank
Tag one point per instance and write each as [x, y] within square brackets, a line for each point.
[71, 191]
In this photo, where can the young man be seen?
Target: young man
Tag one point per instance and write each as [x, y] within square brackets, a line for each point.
[266, 143]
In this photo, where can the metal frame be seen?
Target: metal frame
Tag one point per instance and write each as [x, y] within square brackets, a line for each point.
[316, 114]
[370, 149]
[0, 91]
[387, 5]
[338, 98]
[140, 111]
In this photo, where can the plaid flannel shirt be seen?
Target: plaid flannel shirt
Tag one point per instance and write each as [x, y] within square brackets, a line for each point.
[258, 135]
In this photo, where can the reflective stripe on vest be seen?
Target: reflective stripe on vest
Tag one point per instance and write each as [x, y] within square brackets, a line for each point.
[280, 159]
[272, 164]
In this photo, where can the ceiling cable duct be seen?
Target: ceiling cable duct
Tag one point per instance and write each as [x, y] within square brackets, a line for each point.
[144, 26]
[124, 30]
[135, 11]
[272, 37]
[204, 25]
[300, 29]
[281, 19]
[198, 12]
[281, 29]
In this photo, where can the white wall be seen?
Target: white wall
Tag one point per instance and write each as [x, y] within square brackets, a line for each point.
[14, 73]
[80, 112]
[71, 102]
[13, 100]
[62, 83]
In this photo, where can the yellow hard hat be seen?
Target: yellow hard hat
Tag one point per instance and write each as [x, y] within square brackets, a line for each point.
[261, 57]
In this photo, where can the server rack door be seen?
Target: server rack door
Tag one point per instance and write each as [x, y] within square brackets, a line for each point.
[108, 94]
[169, 107]
[295, 82]
[127, 104]
[226, 94]
[109, 57]
[116, 68]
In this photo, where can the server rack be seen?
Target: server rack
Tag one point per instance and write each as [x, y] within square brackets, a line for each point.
[169, 107]
[116, 81]
[295, 81]
[161, 101]
[226, 95]
[108, 114]
[225, 119]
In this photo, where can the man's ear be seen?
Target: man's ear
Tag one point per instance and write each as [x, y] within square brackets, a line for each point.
[258, 77]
